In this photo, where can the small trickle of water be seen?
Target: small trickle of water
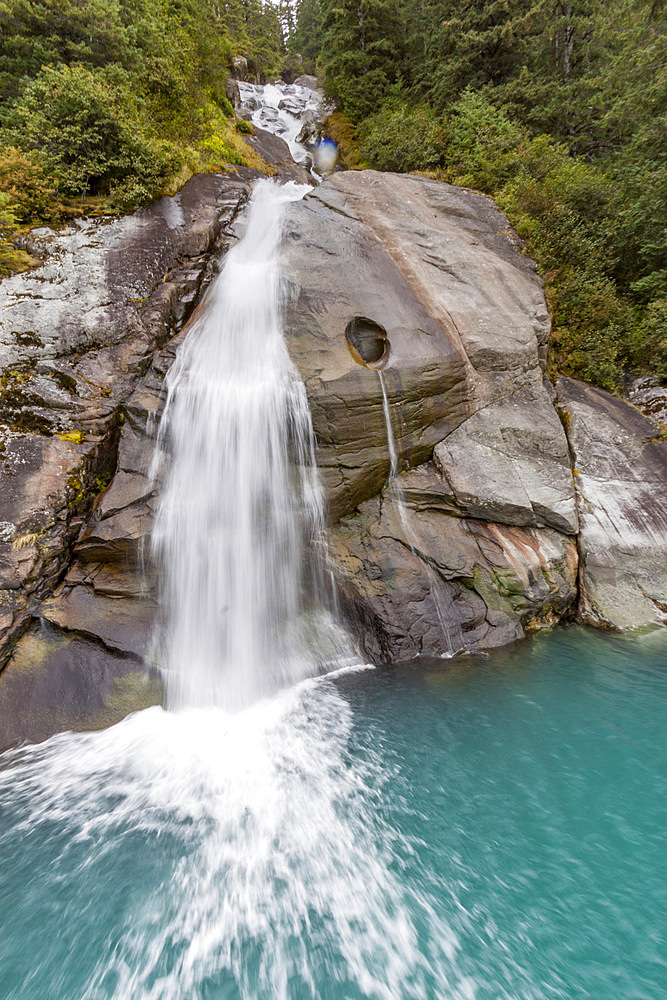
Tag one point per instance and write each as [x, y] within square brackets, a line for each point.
[391, 441]
[442, 599]
[240, 520]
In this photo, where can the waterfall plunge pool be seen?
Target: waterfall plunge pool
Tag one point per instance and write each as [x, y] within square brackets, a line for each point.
[488, 828]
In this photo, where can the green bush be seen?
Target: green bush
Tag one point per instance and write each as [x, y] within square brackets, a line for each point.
[91, 132]
[30, 185]
[646, 344]
[402, 137]
[11, 258]
[246, 128]
[483, 146]
[590, 328]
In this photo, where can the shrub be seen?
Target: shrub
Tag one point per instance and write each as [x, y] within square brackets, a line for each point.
[225, 105]
[246, 128]
[591, 325]
[29, 185]
[91, 132]
[483, 146]
[219, 143]
[342, 131]
[11, 258]
[646, 344]
[402, 137]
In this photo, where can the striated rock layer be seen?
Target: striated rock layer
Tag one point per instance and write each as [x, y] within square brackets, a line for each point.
[420, 331]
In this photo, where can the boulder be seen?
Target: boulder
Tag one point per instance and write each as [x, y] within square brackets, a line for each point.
[233, 93]
[306, 81]
[620, 471]
[276, 152]
[420, 331]
[438, 270]
[240, 67]
[510, 463]
[649, 395]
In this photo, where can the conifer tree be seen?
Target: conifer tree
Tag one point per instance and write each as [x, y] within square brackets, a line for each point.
[362, 50]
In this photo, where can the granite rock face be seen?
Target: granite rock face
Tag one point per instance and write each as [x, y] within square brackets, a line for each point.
[510, 463]
[439, 270]
[416, 580]
[471, 547]
[620, 460]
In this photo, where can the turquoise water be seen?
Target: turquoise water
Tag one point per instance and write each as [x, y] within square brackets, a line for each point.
[485, 828]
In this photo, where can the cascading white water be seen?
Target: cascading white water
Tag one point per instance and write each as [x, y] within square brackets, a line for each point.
[281, 109]
[240, 519]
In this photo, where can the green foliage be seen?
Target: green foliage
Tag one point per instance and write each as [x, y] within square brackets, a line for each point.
[402, 137]
[484, 146]
[92, 133]
[30, 185]
[344, 134]
[245, 127]
[11, 259]
[119, 100]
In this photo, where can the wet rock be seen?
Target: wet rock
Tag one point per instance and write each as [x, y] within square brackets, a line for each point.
[416, 580]
[620, 463]
[233, 93]
[109, 282]
[650, 396]
[471, 548]
[292, 105]
[275, 151]
[240, 65]
[59, 681]
[306, 81]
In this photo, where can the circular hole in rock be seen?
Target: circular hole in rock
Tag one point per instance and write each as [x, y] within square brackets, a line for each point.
[367, 341]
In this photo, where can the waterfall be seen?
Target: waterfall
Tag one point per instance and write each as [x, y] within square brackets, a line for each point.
[239, 846]
[239, 531]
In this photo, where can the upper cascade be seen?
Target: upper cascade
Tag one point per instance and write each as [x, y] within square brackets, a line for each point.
[282, 109]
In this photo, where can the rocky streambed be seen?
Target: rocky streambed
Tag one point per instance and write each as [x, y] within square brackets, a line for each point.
[417, 326]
